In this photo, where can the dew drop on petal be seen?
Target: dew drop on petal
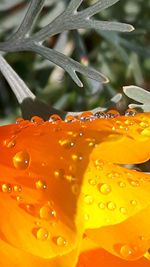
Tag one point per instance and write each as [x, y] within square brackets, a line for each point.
[102, 205]
[92, 182]
[59, 173]
[75, 189]
[40, 184]
[127, 251]
[66, 143]
[55, 118]
[123, 210]
[60, 241]
[21, 160]
[122, 184]
[17, 188]
[134, 183]
[111, 205]
[88, 199]
[146, 132]
[133, 202]
[130, 112]
[105, 188]
[42, 234]
[6, 188]
[47, 213]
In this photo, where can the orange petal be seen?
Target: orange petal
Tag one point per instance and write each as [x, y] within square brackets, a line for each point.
[36, 216]
[124, 140]
[11, 256]
[101, 258]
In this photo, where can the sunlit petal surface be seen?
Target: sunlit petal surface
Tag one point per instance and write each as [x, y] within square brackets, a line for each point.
[60, 181]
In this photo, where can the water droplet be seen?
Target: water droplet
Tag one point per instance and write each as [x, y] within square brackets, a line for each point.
[75, 189]
[10, 143]
[21, 160]
[129, 122]
[66, 143]
[105, 189]
[42, 234]
[88, 199]
[100, 114]
[134, 183]
[113, 175]
[126, 251]
[60, 241]
[19, 198]
[17, 188]
[55, 118]
[92, 182]
[76, 157]
[144, 124]
[112, 113]
[146, 132]
[133, 202]
[19, 120]
[70, 118]
[122, 184]
[98, 164]
[111, 205]
[130, 112]
[85, 116]
[70, 178]
[123, 210]
[40, 184]
[59, 173]
[37, 120]
[102, 205]
[6, 188]
[47, 213]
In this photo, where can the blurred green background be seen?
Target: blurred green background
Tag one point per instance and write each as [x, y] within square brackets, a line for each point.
[123, 58]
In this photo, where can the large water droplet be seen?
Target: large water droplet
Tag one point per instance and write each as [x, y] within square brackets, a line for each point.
[55, 118]
[42, 234]
[146, 132]
[6, 188]
[105, 188]
[21, 160]
[60, 241]
[126, 251]
[47, 213]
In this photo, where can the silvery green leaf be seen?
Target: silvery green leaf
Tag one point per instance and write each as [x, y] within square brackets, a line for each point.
[137, 93]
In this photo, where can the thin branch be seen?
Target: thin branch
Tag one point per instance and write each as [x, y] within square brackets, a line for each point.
[29, 20]
[71, 66]
[80, 20]
[97, 7]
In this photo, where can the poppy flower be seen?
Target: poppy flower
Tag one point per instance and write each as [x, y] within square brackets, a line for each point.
[66, 197]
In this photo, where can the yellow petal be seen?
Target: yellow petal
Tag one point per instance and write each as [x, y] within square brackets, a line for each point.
[112, 193]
